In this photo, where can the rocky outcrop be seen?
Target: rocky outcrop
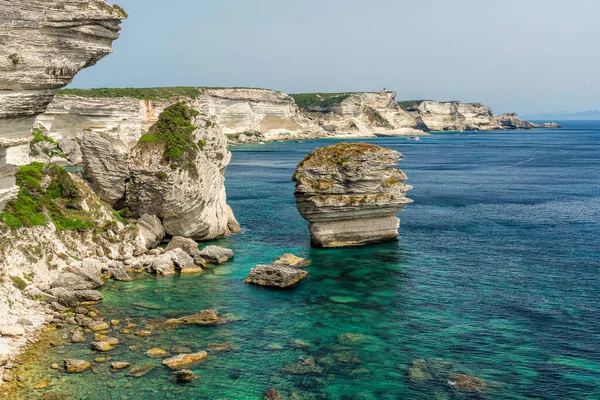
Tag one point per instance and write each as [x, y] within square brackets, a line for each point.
[275, 275]
[361, 114]
[457, 116]
[177, 173]
[350, 194]
[105, 168]
[44, 44]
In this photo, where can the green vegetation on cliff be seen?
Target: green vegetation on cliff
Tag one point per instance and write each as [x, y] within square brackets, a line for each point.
[339, 154]
[163, 93]
[46, 191]
[406, 104]
[174, 130]
[324, 100]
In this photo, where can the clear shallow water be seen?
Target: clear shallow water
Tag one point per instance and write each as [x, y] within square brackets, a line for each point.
[496, 272]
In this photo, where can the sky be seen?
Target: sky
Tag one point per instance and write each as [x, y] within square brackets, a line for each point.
[513, 55]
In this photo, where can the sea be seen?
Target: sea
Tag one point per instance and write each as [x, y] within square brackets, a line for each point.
[492, 290]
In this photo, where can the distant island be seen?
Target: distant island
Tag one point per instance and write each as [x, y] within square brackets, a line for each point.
[563, 115]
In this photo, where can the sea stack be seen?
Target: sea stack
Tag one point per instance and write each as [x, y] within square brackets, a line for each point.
[351, 193]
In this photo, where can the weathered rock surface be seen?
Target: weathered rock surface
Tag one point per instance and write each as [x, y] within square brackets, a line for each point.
[183, 186]
[202, 318]
[118, 365]
[216, 255]
[151, 230]
[293, 261]
[105, 167]
[350, 194]
[188, 245]
[275, 275]
[184, 376]
[184, 360]
[75, 366]
[171, 261]
[139, 371]
[44, 44]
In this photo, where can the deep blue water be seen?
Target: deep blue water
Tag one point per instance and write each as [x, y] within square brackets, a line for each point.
[496, 273]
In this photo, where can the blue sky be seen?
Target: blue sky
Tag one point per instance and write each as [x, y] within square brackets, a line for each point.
[514, 55]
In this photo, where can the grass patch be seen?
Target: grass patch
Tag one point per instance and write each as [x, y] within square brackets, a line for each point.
[174, 130]
[165, 93]
[377, 119]
[18, 282]
[340, 154]
[319, 100]
[407, 105]
[56, 200]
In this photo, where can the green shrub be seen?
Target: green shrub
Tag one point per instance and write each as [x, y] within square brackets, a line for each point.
[201, 143]
[376, 118]
[14, 58]
[324, 100]
[18, 282]
[409, 104]
[58, 202]
[174, 130]
[166, 93]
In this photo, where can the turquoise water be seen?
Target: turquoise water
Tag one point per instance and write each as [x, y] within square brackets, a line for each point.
[495, 275]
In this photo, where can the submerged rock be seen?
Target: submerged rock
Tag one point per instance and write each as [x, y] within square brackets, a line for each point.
[157, 353]
[216, 255]
[275, 275]
[204, 318]
[220, 347]
[184, 376]
[303, 366]
[139, 371]
[184, 360]
[118, 365]
[273, 394]
[467, 383]
[75, 366]
[293, 261]
[350, 193]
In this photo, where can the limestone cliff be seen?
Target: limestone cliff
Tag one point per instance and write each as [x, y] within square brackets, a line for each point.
[177, 173]
[457, 116]
[270, 114]
[351, 194]
[43, 44]
[359, 114]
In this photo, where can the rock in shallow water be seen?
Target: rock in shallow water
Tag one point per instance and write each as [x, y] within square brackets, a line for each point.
[216, 254]
[184, 360]
[184, 375]
[293, 261]
[275, 275]
[204, 317]
[74, 366]
[350, 193]
[139, 371]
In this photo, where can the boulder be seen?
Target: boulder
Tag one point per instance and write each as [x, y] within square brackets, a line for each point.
[232, 224]
[293, 261]
[151, 230]
[184, 360]
[12, 331]
[139, 371]
[77, 337]
[188, 245]
[119, 274]
[88, 295]
[75, 366]
[184, 376]
[65, 297]
[118, 365]
[215, 254]
[273, 394]
[202, 318]
[275, 275]
[157, 353]
[351, 193]
[98, 326]
[72, 282]
[176, 259]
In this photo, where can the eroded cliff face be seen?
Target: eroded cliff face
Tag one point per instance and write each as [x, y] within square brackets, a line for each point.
[350, 193]
[43, 44]
[263, 114]
[366, 114]
[177, 174]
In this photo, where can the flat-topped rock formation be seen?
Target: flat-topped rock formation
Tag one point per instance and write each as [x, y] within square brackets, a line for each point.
[44, 43]
[456, 116]
[351, 193]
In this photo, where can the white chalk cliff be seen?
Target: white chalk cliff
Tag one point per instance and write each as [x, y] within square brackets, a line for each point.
[43, 44]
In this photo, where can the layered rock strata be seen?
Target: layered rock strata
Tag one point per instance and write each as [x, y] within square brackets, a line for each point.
[350, 194]
[44, 43]
[177, 173]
